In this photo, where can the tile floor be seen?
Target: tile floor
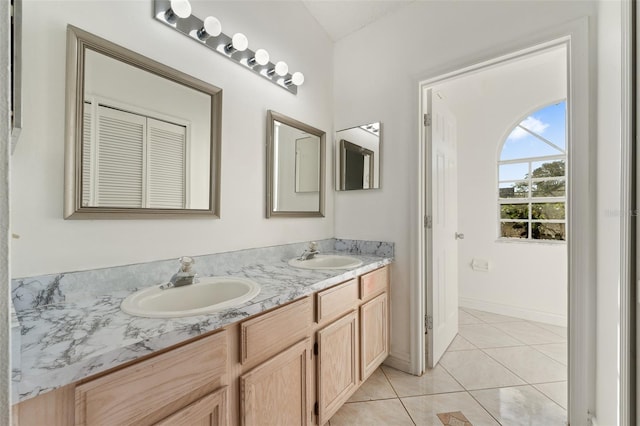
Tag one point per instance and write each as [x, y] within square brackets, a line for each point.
[499, 370]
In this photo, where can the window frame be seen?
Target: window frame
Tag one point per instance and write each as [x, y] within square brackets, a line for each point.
[530, 200]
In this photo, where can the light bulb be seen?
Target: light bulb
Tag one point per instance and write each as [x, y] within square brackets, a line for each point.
[297, 78]
[179, 8]
[261, 57]
[239, 42]
[211, 28]
[281, 68]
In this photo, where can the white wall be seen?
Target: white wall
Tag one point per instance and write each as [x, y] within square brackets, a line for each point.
[5, 161]
[609, 217]
[49, 244]
[440, 37]
[525, 279]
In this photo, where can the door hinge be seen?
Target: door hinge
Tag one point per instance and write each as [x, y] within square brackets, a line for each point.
[427, 119]
[428, 323]
[428, 221]
[315, 409]
[315, 348]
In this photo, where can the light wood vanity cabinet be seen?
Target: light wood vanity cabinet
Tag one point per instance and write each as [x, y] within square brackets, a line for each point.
[337, 365]
[152, 390]
[278, 391]
[294, 365]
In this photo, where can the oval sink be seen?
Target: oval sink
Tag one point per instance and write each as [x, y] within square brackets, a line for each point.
[208, 295]
[327, 261]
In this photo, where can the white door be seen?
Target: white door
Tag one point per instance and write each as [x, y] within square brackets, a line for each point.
[442, 222]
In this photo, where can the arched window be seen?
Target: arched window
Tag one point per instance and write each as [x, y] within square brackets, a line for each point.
[532, 190]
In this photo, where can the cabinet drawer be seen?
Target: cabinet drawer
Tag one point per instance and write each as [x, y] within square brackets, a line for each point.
[149, 391]
[374, 283]
[268, 334]
[210, 410]
[337, 300]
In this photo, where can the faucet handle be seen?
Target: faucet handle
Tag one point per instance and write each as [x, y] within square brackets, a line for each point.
[185, 263]
[313, 246]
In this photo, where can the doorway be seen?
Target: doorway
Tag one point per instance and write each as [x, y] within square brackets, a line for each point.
[578, 300]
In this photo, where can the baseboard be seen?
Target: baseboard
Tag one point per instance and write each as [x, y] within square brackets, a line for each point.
[399, 361]
[513, 311]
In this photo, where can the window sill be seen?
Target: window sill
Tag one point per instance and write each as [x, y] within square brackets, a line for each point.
[526, 241]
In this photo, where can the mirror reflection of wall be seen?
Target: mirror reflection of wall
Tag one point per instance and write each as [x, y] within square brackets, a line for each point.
[358, 157]
[146, 140]
[295, 167]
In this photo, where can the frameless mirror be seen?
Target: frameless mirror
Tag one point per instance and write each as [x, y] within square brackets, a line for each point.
[358, 157]
[142, 139]
[295, 168]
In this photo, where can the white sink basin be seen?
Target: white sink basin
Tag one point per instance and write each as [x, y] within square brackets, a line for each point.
[327, 261]
[208, 295]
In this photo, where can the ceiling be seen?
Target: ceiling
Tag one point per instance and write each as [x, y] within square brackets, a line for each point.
[344, 17]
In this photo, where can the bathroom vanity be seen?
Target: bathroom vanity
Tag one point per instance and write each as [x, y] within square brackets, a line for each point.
[293, 358]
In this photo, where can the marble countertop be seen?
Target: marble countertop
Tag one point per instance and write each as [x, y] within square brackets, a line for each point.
[65, 341]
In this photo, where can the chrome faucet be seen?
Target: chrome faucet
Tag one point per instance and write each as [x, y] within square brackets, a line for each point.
[184, 276]
[310, 252]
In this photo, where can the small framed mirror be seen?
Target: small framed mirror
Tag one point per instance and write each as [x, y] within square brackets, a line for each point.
[358, 157]
[142, 139]
[295, 168]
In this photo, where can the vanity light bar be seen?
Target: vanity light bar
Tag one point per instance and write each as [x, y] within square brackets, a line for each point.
[177, 15]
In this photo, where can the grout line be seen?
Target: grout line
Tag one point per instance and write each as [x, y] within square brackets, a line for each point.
[374, 400]
[484, 408]
[389, 381]
[407, 411]
[548, 356]
[549, 397]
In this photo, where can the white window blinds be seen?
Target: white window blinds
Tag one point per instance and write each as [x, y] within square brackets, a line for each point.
[167, 157]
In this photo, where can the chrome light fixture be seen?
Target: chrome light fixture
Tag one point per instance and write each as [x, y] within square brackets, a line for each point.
[177, 9]
[177, 15]
[210, 28]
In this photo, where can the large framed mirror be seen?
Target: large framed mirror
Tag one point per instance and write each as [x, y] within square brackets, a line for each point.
[295, 168]
[142, 139]
[358, 157]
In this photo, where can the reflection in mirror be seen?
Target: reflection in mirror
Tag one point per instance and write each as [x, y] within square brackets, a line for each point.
[142, 138]
[359, 157]
[295, 168]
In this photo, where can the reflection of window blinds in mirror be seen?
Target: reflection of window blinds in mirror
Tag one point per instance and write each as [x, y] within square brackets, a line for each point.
[86, 155]
[140, 161]
[166, 145]
[120, 153]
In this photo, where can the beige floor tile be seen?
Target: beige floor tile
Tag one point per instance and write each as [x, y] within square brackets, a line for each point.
[460, 344]
[560, 331]
[489, 317]
[376, 387]
[424, 409]
[433, 381]
[466, 318]
[477, 370]
[383, 412]
[557, 391]
[529, 333]
[522, 405]
[529, 364]
[557, 351]
[487, 336]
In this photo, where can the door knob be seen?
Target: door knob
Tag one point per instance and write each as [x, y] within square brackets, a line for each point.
[459, 236]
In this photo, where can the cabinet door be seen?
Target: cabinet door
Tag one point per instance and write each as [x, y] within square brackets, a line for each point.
[374, 332]
[210, 410]
[337, 365]
[277, 391]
